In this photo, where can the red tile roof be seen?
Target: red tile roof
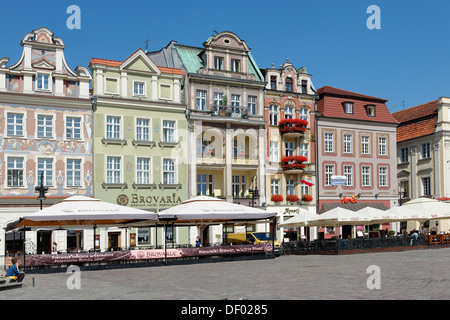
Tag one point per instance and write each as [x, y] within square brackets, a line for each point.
[331, 101]
[417, 121]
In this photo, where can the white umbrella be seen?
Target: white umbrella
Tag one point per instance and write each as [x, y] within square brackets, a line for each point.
[300, 220]
[339, 216]
[377, 215]
[81, 210]
[204, 209]
[429, 209]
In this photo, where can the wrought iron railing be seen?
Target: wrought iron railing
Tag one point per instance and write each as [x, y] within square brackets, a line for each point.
[239, 112]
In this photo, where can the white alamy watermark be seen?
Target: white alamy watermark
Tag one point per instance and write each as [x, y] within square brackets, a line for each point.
[74, 20]
[374, 280]
[74, 281]
[374, 21]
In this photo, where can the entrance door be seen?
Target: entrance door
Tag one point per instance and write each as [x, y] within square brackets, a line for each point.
[114, 241]
[346, 232]
[44, 240]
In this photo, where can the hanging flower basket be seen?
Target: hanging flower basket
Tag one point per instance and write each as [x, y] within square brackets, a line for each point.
[291, 198]
[307, 198]
[276, 198]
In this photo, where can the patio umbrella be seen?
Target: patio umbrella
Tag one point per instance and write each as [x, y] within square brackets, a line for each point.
[81, 210]
[429, 209]
[377, 215]
[210, 210]
[339, 216]
[300, 220]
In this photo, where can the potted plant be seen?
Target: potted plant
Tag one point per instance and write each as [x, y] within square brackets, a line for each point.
[307, 197]
[276, 198]
[291, 198]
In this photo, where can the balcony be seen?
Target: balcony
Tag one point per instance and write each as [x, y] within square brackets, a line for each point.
[292, 128]
[238, 112]
[293, 164]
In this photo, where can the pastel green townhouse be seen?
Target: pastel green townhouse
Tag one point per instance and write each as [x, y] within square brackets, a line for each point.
[140, 145]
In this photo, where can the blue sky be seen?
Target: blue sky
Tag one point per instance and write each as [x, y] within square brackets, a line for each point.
[407, 60]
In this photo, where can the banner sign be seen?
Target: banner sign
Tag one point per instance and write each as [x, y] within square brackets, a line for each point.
[70, 258]
[338, 180]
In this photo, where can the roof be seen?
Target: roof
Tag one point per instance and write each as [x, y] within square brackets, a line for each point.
[417, 121]
[331, 101]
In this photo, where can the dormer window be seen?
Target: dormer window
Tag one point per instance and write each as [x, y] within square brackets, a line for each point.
[348, 107]
[218, 63]
[370, 110]
[289, 84]
[43, 81]
[304, 86]
[273, 82]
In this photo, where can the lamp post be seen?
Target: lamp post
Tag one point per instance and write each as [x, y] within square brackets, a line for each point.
[254, 192]
[41, 190]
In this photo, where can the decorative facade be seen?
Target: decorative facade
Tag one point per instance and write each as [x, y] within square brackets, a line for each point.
[289, 112]
[140, 142]
[224, 92]
[46, 130]
[423, 154]
[357, 158]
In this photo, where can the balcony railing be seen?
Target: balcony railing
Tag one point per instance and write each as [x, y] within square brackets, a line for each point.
[239, 112]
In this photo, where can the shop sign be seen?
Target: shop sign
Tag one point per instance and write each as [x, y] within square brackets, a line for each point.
[353, 199]
[137, 200]
[338, 180]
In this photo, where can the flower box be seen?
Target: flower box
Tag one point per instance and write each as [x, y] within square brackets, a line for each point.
[293, 162]
[307, 198]
[291, 198]
[276, 198]
[292, 126]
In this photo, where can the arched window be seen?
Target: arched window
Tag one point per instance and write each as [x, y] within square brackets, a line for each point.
[289, 84]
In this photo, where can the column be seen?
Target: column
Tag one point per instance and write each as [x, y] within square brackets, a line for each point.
[261, 164]
[228, 163]
[414, 192]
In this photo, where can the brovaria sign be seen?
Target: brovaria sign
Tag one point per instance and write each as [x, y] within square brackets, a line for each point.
[136, 200]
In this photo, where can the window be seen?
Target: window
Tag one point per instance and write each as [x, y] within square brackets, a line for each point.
[43, 81]
[252, 105]
[370, 111]
[169, 171]
[382, 146]
[139, 88]
[235, 65]
[235, 103]
[304, 150]
[290, 186]
[329, 142]
[289, 148]
[304, 114]
[143, 235]
[275, 186]
[366, 176]
[236, 186]
[218, 63]
[142, 129]
[46, 166]
[347, 143]
[382, 176]
[15, 124]
[348, 107]
[404, 155]
[201, 100]
[73, 128]
[143, 171]
[211, 184]
[304, 86]
[348, 173]
[44, 126]
[289, 84]
[168, 131]
[112, 127]
[273, 82]
[218, 96]
[426, 186]
[329, 171]
[365, 145]
[73, 169]
[288, 112]
[305, 189]
[201, 184]
[15, 172]
[274, 151]
[113, 169]
[426, 150]
[273, 115]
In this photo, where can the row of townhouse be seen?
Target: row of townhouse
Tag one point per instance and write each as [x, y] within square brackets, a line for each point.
[161, 127]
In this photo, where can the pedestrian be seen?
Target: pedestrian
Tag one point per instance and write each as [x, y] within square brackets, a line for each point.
[414, 237]
[197, 242]
[55, 248]
[14, 272]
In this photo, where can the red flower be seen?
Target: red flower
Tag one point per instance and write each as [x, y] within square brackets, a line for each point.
[276, 198]
[293, 162]
[292, 125]
[306, 197]
[291, 198]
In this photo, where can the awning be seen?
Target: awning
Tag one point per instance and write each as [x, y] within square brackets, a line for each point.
[352, 206]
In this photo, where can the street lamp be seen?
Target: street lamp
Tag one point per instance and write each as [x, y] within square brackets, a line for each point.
[254, 192]
[41, 190]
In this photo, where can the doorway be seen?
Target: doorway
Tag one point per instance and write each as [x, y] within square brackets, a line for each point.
[44, 240]
[114, 241]
[346, 232]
